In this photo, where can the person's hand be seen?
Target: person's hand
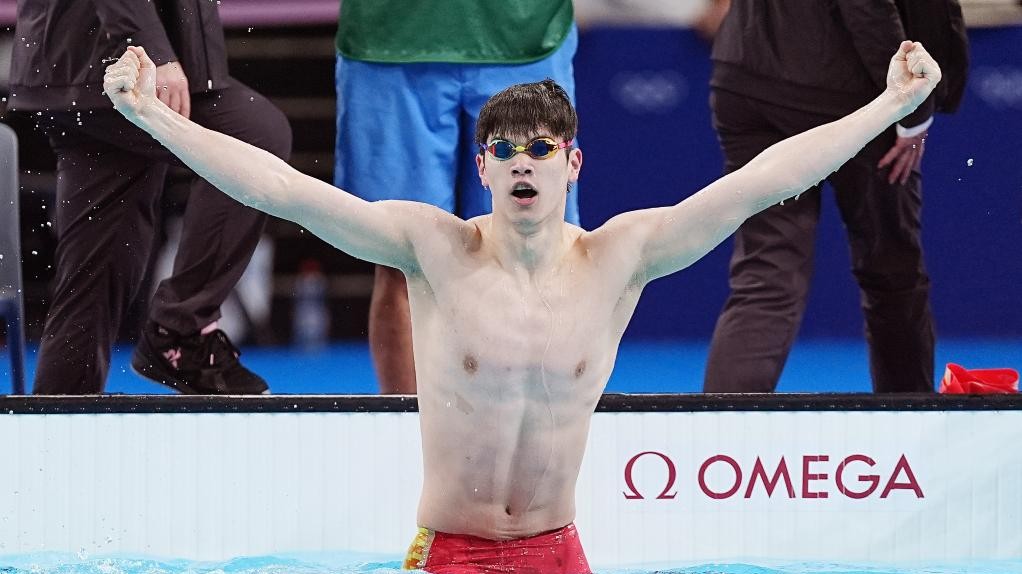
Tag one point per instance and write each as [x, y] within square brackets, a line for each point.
[130, 82]
[172, 88]
[913, 73]
[707, 23]
[904, 156]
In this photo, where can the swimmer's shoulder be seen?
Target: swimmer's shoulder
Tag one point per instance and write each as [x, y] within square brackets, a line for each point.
[436, 233]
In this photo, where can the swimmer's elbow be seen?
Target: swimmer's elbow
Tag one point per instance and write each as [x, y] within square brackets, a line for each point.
[281, 183]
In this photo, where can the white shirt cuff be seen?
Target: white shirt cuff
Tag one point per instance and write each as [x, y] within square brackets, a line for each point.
[912, 132]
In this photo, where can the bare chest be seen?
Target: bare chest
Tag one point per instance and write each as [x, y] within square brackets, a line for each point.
[489, 328]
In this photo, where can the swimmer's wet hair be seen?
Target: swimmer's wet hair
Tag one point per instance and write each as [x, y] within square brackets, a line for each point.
[524, 109]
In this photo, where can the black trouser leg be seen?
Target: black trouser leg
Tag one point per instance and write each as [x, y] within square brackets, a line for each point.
[106, 228]
[770, 272]
[883, 222]
[771, 265]
[218, 234]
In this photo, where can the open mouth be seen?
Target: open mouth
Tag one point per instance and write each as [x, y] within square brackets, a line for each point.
[524, 191]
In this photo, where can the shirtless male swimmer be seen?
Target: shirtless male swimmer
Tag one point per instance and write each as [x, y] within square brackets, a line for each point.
[517, 315]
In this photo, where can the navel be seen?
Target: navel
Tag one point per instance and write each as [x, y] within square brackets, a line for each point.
[580, 369]
[470, 364]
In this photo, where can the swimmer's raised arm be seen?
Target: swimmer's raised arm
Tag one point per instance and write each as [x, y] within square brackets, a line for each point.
[379, 232]
[671, 238]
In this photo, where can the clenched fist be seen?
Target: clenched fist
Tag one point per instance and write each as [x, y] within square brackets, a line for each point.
[130, 82]
[913, 73]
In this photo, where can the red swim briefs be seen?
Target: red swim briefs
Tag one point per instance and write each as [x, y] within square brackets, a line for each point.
[555, 552]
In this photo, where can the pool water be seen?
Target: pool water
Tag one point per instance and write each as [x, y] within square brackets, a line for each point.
[350, 563]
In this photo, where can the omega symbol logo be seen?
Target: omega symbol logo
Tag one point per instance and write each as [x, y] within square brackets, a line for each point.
[672, 475]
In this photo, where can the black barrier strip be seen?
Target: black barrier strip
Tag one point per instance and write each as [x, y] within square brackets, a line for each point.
[610, 403]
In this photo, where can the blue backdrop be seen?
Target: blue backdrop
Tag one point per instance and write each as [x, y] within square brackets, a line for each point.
[647, 141]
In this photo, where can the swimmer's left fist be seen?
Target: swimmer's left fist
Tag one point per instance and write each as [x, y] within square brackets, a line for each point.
[130, 82]
[913, 74]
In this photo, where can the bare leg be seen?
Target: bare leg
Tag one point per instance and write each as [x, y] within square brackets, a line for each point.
[390, 333]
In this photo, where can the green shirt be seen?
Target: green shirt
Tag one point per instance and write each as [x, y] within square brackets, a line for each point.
[453, 31]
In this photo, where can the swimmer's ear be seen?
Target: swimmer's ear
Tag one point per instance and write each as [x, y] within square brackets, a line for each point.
[481, 167]
[575, 163]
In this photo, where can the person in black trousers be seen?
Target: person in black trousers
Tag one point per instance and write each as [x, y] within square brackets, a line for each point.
[786, 66]
[110, 177]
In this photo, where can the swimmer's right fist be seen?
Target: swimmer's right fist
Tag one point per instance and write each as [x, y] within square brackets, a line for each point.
[130, 82]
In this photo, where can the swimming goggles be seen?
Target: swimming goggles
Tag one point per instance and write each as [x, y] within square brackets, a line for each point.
[539, 148]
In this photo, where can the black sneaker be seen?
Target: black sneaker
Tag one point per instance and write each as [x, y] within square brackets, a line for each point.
[194, 365]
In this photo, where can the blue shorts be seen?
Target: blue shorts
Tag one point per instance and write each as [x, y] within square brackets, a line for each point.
[406, 131]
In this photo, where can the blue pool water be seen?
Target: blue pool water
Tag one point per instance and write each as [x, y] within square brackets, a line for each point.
[349, 563]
